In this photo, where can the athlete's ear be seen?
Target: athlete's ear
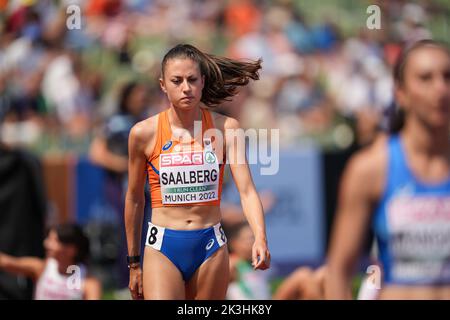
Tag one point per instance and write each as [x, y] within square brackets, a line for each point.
[401, 96]
[162, 85]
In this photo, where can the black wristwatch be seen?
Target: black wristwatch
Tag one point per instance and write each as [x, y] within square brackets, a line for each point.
[133, 260]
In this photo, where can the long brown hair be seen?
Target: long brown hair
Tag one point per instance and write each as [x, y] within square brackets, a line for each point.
[223, 75]
[397, 119]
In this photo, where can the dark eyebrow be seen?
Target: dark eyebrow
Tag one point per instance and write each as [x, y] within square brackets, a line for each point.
[180, 77]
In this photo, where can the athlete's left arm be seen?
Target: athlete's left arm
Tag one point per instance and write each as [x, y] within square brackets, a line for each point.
[251, 203]
[92, 289]
[27, 266]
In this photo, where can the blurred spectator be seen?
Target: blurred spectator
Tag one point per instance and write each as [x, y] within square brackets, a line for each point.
[246, 283]
[62, 275]
[411, 27]
[109, 149]
[242, 17]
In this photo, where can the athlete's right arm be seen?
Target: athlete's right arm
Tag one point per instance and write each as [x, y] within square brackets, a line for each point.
[140, 136]
[31, 267]
[357, 195]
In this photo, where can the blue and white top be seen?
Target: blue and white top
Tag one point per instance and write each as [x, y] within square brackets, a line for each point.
[412, 225]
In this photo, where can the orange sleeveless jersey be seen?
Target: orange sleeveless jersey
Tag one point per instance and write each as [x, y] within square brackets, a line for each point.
[184, 178]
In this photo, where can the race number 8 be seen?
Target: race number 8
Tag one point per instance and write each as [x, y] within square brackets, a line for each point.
[152, 238]
[222, 234]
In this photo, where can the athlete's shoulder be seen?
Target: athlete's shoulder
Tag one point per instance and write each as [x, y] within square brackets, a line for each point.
[144, 130]
[223, 121]
[368, 165]
[230, 122]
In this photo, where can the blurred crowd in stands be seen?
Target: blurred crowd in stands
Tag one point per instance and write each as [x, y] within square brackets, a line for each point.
[326, 76]
[322, 78]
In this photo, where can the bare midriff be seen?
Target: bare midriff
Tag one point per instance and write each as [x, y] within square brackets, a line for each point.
[186, 217]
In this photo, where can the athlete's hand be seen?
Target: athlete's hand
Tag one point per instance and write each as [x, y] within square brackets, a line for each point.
[135, 284]
[260, 255]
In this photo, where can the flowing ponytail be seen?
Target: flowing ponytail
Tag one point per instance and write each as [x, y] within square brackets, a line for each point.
[223, 76]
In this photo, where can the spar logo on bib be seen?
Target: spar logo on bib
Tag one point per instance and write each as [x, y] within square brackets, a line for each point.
[181, 159]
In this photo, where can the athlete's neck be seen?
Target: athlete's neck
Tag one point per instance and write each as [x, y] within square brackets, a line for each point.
[431, 141]
[182, 123]
[184, 118]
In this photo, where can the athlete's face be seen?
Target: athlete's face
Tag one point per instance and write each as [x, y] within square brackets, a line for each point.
[425, 92]
[58, 250]
[183, 82]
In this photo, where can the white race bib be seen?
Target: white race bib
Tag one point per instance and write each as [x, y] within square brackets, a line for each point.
[189, 177]
[419, 230]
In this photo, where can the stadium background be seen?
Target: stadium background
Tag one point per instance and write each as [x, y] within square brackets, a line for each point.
[326, 85]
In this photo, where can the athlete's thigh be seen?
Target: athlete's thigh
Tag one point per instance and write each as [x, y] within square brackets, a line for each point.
[211, 279]
[161, 278]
